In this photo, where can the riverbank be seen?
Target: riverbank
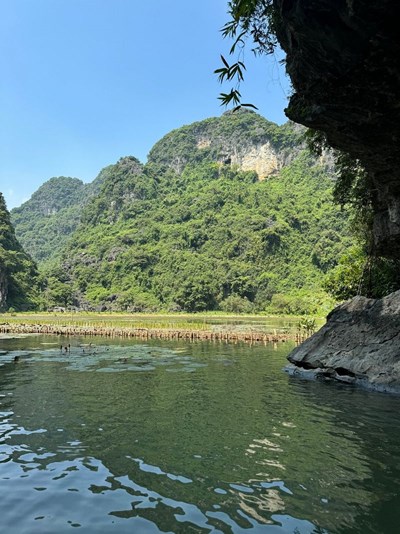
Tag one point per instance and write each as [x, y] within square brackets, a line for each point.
[249, 336]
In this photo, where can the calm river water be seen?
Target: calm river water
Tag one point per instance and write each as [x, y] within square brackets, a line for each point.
[133, 437]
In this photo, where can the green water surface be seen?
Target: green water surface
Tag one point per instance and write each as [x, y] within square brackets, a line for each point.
[132, 437]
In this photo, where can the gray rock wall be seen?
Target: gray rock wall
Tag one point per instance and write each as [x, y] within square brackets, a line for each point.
[359, 344]
[343, 58]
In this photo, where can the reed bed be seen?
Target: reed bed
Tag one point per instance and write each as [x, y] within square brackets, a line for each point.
[97, 321]
[146, 333]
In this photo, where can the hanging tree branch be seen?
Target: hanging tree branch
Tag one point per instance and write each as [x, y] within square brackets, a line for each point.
[253, 19]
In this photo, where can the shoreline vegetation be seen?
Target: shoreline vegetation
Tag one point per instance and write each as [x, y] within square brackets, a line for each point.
[224, 328]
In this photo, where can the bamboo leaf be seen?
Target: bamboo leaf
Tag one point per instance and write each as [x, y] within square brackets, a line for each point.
[224, 61]
[249, 106]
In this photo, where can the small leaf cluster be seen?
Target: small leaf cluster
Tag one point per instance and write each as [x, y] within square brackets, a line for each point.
[254, 19]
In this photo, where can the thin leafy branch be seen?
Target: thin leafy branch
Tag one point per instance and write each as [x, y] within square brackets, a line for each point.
[254, 19]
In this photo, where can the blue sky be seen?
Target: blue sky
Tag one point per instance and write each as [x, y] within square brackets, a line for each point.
[85, 82]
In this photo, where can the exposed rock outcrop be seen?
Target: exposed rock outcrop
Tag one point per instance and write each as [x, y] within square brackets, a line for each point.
[261, 158]
[243, 139]
[343, 57]
[360, 344]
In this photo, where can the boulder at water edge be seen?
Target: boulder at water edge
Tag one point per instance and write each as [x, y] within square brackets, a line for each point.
[359, 344]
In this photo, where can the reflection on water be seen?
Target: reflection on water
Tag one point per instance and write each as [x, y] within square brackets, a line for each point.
[167, 437]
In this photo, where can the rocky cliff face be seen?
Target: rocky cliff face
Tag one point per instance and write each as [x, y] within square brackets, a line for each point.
[242, 138]
[262, 158]
[360, 344]
[343, 57]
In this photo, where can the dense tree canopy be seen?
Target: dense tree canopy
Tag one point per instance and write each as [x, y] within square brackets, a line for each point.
[190, 232]
[18, 274]
[343, 61]
[44, 223]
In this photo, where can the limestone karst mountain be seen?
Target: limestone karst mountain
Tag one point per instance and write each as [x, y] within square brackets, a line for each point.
[44, 223]
[240, 138]
[229, 213]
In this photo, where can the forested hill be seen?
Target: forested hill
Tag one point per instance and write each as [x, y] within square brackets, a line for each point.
[195, 230]
[18, 273]
[230, 213]
[243, 138]
[44, 223]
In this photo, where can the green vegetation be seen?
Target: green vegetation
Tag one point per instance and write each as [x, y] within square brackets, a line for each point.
[361, 270]
[360, 273]
[19, 279]
[102, 320]
[254, 19]
[173, 322]
[216, 138]
[45, 222]
[190, 231]
[187, 232]
[366, 269]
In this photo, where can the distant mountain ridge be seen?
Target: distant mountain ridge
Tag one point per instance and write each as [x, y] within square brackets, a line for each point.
[229, 213]
[44, 223]
[240, 138]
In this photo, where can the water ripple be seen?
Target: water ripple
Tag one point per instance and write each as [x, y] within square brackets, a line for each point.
[163, 437]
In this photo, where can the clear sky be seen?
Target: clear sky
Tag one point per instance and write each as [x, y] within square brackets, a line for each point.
[85, 82]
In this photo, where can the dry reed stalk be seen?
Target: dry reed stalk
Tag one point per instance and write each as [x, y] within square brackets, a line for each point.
[147, 333]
